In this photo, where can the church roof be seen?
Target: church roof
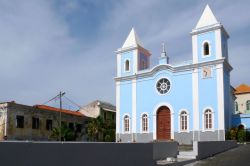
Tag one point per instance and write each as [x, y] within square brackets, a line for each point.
[243, 88]
[207, 18]
[132, 39]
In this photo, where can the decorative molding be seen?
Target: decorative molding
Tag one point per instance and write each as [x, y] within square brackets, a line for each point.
[179, 120]
[141, 124]
[203, 121]
[190, 67]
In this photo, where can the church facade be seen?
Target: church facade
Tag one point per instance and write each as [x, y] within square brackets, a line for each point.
[188, 102]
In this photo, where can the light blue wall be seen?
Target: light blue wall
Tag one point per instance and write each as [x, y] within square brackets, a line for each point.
[179, 96]
[125, 101]
[209, 36]
[124, 56]
[239, 119]
[208, 95]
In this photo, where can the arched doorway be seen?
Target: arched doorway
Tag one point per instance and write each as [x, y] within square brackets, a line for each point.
[163, 123]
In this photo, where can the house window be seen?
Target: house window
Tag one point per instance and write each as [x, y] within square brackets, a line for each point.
[144, 123]
[79, 128]
[126, 123]
[19, 121]
[49, 124]
[127, 65]
[113, 116]
[208, 119]
[105, 115]
[35, 123]
[206, 48]
[183, 121]
[71, 126]
[248, 104]
[236, 107]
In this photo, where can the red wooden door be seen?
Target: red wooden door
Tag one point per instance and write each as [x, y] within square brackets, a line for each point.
[163, 123]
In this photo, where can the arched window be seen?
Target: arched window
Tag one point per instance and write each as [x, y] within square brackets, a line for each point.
[144, 123]
[127, 65]
[236, 107]
[248, 105]
[183, 121]
[126, 123]
[206, 48]
[208, 123]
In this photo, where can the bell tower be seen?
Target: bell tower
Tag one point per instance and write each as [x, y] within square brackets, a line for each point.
[209, 38]
[132, 57]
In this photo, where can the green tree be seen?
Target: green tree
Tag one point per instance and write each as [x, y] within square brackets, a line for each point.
[95, 127]
[67, 134]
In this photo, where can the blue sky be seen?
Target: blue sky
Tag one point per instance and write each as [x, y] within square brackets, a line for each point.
[68, 45]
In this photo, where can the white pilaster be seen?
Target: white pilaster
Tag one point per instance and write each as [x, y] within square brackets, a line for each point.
[118, 62]
[135, 61]
[196, 118]
[134, 106]
[218, 44]
[118, 107]
[220, 97]
[195, 49]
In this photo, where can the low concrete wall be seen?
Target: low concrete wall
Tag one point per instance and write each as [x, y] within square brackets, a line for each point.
[161, 150]
[210, 148]
[87, 154]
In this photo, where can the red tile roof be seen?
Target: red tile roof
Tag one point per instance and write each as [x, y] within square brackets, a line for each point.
[45, 107]
[243, 88]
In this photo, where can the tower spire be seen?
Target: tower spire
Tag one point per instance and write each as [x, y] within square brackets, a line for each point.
[164, 59]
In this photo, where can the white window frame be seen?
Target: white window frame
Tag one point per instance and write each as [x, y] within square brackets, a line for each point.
[202, 49]
[123, 124]
[179, 121]
[141, 121]
[203, 119]
[127, 71]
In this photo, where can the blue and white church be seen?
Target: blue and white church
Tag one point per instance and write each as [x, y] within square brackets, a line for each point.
[188, 102]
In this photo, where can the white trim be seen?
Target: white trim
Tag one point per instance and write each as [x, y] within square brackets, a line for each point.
[123, 124]
[118, 62]
[118, 106]
[194, 48]
[141, 125]
[218, 44]
[195, 89]
[203, 120]
[179, 124]
[134, 106]
[155, 117]
[135, 61]
[129, 65]
[156, 87]
[202, 49]
[220, 97]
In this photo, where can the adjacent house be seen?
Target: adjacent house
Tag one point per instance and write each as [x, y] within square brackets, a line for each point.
[100, 115]
[22, 122]
[242, 106]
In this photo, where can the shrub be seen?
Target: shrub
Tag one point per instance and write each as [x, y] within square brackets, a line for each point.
[241, 135]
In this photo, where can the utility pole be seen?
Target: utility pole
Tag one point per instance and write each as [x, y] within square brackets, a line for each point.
[60, 117]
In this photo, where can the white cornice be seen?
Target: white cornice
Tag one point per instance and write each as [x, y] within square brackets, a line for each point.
[174, 69]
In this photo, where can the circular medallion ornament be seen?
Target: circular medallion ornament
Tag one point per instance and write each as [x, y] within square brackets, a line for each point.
[163, 86]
